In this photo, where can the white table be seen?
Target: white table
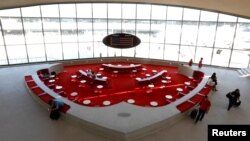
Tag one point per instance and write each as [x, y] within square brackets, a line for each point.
[169, 96]
[164, 81]
[106, 102]
[58, 87]
[151, 85]
[99, 86]
[138, 78]
[131, 101]
[74, 94]
[52, 80]
[179, 89]
[168, 77]
[86, 102]
[83, 81]
[154, 103]
[154, 71]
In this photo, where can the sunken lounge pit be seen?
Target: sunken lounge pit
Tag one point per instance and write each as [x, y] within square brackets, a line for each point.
[122, 98]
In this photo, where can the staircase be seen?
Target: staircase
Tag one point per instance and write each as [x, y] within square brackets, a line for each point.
[244, 72]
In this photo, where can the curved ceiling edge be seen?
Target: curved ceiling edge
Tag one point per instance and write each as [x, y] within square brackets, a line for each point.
[232, 7]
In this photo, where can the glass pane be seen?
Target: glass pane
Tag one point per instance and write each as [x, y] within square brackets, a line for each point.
[114, 11]
[50, 10]
[1, 36]
[206, 34]
[69, 30]
[224, 35]
[100, 10]
[143, 11]
[130, 52]
[86, 50]
[51, 27]
[85, 32]
[114, 26]
[186, 53]
[3, 57]
[208, 16]
[227, 18]
[173, 32]
[128, 11]
[10, 13]
[171, 52]
[143, 30]
[36, 53]
[142, 50]
[100, 29]
[191, 14]
[54, 52]
[242, 39]
[33, 30]
[67, 10]
[159, 12]
[17, 54]
[240, 59]
[33, 11]
[100, 50]
[189, 33]
[156, 51]
[174, 13]
[243, 20]
[113, 52]
[205, 53]
[128, 26]
[70, 51]
[221, 57]
[13, 31]
[84, 10]
[157, 31]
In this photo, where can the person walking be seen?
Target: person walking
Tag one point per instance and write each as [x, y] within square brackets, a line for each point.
[205, 105]
[234, 99]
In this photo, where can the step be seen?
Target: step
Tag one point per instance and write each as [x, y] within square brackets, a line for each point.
[247, 70]
[244, 71]
[240, 72]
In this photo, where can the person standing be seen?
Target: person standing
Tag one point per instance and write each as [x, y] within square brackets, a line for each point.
[200, 63]
[214, 79]
[205, 105]
[190, 63]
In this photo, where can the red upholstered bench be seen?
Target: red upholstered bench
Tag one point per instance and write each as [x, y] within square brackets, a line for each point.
[37, 91]
[122, 68]
[28, 78]
[31, 84]
[96, 80]
[151, 79]
[185, 106]
[196, 98]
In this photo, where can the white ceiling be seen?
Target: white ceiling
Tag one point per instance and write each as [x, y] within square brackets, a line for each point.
[235, 7]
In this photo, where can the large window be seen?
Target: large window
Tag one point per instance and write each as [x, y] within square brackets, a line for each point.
[75, 30]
